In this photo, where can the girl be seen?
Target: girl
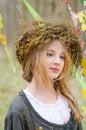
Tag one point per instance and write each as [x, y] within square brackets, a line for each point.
[47, 53]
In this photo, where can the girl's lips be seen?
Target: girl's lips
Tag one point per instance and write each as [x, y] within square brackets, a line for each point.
[54, 69]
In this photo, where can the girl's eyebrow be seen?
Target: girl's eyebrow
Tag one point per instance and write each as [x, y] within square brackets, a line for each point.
[63, 53]
[51, 50]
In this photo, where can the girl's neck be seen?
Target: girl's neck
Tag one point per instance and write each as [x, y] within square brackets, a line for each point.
[46, 95]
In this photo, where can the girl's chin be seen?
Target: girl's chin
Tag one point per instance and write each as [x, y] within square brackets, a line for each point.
[54, 77]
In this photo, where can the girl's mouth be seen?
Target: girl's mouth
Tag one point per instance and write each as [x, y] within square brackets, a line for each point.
[54, 69]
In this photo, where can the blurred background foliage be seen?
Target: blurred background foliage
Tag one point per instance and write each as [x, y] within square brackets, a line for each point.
[15, 19]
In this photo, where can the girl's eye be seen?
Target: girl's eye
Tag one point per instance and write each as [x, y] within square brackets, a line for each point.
[49, 54]
[62, 57]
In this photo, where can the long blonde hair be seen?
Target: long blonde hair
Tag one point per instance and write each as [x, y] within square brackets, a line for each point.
[34, 65]
[61, 84]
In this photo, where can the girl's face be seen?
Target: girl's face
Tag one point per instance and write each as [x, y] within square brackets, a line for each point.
[54, 58]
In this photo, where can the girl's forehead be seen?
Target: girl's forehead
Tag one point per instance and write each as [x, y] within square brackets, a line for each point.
[56, 45]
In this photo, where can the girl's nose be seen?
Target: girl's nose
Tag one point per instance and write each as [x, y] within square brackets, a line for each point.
[57, 60]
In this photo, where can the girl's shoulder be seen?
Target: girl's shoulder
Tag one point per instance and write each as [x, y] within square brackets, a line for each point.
[17, 104]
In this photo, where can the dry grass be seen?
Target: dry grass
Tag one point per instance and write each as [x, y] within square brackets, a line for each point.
[9, 86]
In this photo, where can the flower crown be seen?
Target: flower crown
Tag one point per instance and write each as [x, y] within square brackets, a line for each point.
[42, 32]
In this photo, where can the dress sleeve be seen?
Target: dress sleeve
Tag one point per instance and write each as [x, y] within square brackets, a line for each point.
[14, 121]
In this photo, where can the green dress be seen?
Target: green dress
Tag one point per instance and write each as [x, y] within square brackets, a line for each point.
[22, 116]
